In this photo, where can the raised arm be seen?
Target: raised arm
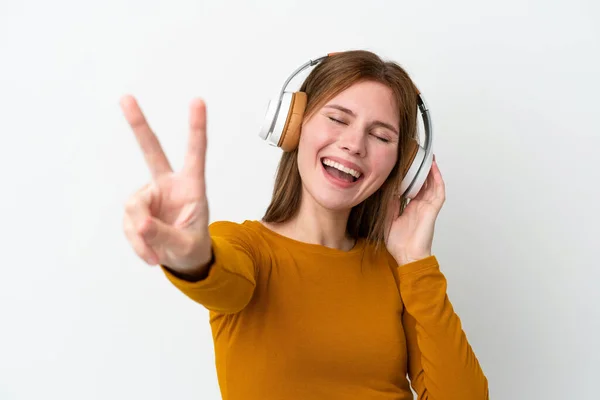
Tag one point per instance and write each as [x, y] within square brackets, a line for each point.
[442, 364]
[166, 221]
[230, 280]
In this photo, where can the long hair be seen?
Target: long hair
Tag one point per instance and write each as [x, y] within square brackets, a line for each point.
[332, 76]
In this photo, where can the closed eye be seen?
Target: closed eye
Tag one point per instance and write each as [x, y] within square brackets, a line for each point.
[336, 120]
[384, 140]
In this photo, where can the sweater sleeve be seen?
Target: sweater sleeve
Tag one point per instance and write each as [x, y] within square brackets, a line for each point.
[231, 280]
[441, 363]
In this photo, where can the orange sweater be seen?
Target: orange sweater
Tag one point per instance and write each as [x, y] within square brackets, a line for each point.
[292, 320]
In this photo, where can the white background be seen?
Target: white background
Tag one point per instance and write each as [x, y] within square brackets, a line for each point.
[513, 91]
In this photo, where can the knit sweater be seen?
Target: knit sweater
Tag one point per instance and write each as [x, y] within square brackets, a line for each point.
[293, 320]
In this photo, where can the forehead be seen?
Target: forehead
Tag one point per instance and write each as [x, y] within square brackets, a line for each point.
[368, 99]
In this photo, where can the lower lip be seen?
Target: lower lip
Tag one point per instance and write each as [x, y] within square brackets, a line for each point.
[338, 182]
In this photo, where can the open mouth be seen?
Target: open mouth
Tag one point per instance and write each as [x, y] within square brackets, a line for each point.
[338, 171]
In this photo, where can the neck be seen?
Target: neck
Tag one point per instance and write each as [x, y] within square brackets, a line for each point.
[317, 225]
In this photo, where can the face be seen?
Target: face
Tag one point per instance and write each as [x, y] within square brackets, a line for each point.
[348, 148]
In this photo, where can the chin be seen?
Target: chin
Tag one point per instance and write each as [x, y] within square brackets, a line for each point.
[332, 200]
[332, 204]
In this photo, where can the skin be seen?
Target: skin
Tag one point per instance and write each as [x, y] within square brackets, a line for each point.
[166, 221]
[366, 134]
[357, 136]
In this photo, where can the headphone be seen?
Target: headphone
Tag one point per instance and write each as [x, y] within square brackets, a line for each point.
[283, 120]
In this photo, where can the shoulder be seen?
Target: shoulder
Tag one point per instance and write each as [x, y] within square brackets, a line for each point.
[378, 251]
[243, 236]
[380, 255]
[245, 229]
[244, 233]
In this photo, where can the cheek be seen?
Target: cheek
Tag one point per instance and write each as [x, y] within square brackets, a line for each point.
[383, 161]
[308, 147]
[316, 134]
[313, 138]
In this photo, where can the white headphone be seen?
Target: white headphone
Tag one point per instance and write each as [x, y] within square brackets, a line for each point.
[283, 122]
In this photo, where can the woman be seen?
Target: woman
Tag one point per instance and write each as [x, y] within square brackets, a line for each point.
[335, 293]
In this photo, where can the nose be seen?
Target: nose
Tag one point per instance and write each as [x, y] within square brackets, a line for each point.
[352, 140]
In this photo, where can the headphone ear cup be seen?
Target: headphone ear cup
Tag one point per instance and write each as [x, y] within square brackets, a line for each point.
[411, 153]
[410, 167]
[290, 136]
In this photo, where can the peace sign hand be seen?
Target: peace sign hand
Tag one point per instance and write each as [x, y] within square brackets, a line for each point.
[166, 221]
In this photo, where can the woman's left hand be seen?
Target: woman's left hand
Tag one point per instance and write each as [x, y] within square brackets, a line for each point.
[410, 235]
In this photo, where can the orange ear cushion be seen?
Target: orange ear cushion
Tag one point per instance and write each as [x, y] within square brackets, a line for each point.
[291, 130]
[409, 157]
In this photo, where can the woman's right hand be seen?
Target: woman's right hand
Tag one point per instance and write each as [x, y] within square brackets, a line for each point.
[166, 221]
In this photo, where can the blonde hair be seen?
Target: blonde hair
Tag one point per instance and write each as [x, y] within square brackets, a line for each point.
[332, 76]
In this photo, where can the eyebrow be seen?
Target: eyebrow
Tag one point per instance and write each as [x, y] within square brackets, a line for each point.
[350, 112]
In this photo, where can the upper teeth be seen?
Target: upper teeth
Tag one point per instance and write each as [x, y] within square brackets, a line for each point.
[339, 166]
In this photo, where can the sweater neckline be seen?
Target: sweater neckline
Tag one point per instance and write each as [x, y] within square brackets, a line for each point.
[305, 246]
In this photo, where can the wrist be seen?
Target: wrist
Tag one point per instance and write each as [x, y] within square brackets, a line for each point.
[196, 274]
[407, 259]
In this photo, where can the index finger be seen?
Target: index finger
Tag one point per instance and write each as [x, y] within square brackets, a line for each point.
[153, 153]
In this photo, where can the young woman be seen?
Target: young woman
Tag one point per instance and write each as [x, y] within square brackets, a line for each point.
[335, 293]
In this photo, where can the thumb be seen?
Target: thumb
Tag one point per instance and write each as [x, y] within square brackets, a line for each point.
[158, 234]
